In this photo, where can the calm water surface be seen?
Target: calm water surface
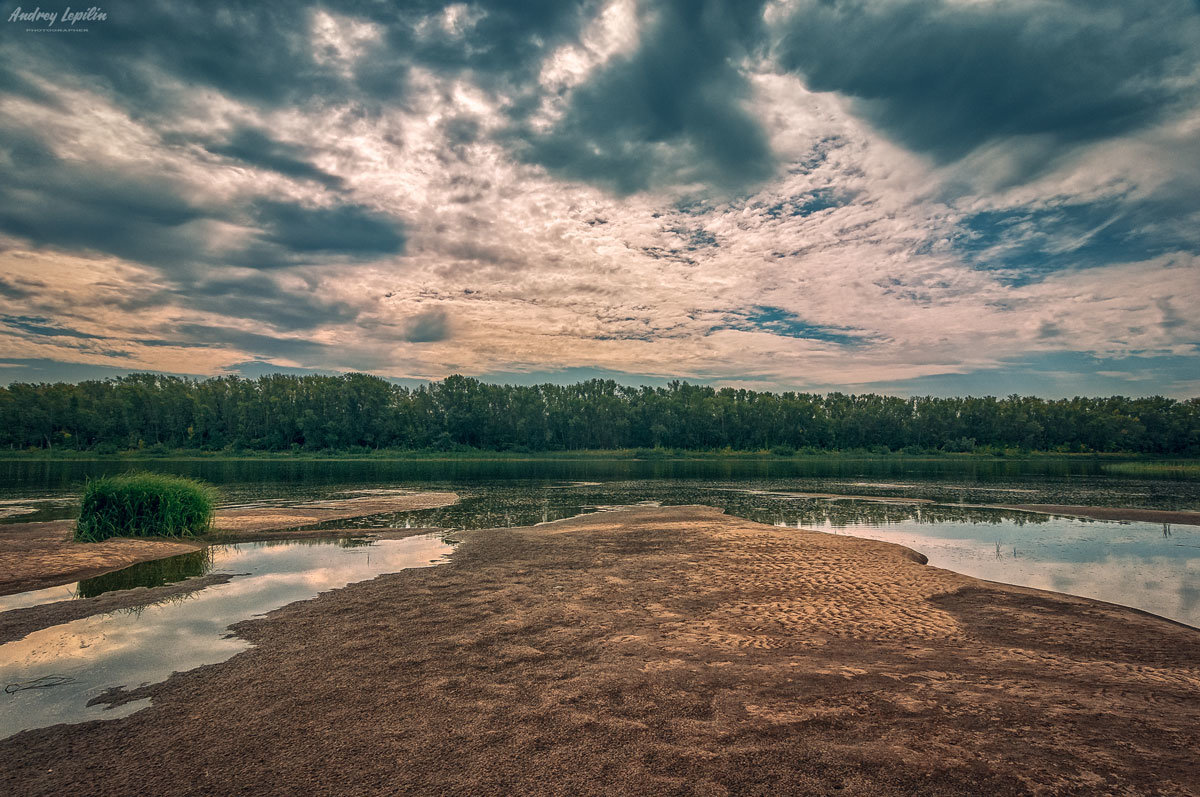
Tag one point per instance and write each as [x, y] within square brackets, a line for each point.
[33, 490]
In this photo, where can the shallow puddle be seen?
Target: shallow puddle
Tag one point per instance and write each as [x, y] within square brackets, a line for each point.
[81, 659]
[1149, 566]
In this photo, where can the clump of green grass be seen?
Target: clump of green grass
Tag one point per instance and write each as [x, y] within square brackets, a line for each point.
[1183, 469]
[144, 505]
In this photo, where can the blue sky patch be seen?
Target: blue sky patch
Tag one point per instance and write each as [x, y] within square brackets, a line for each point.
[807, 204]
[1039, 241]
[1062, 374]
[780, 322]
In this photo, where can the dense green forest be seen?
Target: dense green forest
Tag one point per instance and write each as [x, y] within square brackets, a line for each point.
[360, 412]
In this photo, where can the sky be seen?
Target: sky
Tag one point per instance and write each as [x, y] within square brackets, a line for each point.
[915, 197]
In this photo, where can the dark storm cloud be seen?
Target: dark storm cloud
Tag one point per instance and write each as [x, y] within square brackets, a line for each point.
[254, 50]
[428, 327]
[346, 229]
[263, 54]
[82, 205]
[260, 298]
[16, 82]
[256, 148]
[261, 51]
[264, 346]
[42, 327]
[940, 77]
[459, 132]
[146, 218]
[943, 78]
[502, 42]
[682, 88]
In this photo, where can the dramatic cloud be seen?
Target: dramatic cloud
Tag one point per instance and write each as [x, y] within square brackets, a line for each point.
[948, 196]
[256, 148]
[946, 76]
[673, 111]
[348, 229]
[427, 327]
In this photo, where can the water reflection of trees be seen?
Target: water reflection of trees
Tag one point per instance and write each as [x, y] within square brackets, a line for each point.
[340, 541]
[149, 574]
[859, 513]
[523, 505]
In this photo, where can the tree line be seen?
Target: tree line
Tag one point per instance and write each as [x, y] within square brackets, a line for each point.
[360, 412]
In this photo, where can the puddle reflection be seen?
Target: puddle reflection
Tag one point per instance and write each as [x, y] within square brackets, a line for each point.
[132, 648]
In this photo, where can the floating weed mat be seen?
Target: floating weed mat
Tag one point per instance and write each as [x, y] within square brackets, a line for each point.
[144, 505]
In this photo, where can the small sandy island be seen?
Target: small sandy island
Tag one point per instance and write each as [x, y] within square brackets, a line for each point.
[36, 555]
[670, 650]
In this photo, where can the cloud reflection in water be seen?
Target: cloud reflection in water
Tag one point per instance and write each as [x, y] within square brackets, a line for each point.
[132, 648]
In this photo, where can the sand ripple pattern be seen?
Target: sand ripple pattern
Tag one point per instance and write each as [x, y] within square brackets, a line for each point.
[780, 588]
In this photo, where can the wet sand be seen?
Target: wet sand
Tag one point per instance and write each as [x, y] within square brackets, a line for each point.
[38, 555]
[669, 650]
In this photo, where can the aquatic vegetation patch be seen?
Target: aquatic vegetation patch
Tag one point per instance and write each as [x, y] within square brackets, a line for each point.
[144, 505]
[1187, 469]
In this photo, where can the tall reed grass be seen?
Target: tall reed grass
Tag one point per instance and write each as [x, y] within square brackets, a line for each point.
[144, 505]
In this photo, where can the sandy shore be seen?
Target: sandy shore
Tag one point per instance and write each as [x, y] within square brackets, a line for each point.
[661, 650]
[37, 555]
